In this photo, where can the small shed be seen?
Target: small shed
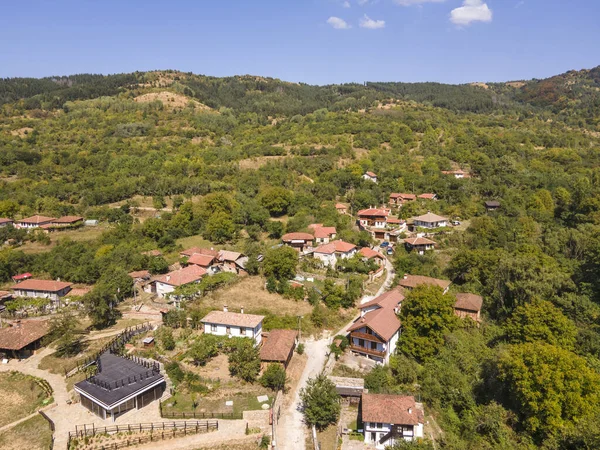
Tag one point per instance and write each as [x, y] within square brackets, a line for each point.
[278, 347]
[148, 342]
[349, 389]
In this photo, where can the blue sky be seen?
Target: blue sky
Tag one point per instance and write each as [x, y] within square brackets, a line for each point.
[312, 41]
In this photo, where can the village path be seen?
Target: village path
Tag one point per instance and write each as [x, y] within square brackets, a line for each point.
[290, 430]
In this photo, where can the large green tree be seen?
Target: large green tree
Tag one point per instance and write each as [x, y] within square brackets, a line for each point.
[281, 263]
[426, 316]
[320, 402]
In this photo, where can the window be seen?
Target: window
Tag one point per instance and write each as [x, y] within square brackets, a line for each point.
[373, 436]
[242, 331]
[378, 426]
[213, 328]
[228, 330]
[361, 342]
[373, 345]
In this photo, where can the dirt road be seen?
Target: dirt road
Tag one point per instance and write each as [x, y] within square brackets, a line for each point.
[290, 432]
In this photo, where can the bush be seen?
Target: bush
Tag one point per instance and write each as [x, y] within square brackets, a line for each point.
[300, 349]
[174, 372]
[274, 377]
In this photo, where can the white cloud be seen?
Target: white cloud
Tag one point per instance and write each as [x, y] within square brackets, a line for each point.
[416, 2]
[362, 2]
[367, 22]
[346, 4]
[471, 11]
[338, 24]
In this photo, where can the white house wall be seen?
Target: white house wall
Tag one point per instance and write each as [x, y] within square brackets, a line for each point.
[234, 331]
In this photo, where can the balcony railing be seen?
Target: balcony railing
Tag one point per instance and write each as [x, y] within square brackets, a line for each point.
[366, 337]
[368, 351]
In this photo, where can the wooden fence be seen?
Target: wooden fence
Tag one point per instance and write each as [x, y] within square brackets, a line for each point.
[113, 345]
[199, 415]
[156, 431]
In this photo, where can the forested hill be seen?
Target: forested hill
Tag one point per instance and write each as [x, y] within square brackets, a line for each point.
[574, 96]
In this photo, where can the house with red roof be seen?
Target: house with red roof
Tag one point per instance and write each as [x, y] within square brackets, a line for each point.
[373, 217]
[376, 332]
[398, 199]
[389, 419]
[298, 241]
[369, 254]
[419, 244]
[380, 224]
[329, 254]
[49, 289]
[341, 208]
[427, 196]
[4, 222]
[163, 285]
[323, 235]
[370, 176]
[468, 305]
[34, 222]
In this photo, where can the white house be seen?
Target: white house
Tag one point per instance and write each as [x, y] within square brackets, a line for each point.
[34, 222]
[329, 254]
[388, 419]
[376, 332]
[165, 284]
[370, 176]
[225, 323]
[419, 244]
[430, 220]
[49, 289]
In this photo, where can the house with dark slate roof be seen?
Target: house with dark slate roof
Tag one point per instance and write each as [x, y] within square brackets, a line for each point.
[120, 385]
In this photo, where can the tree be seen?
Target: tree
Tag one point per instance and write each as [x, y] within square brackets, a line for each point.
[550, 388]
[244, 361]
[281, 263]
[100, 306]
[320, 402]
[219, 228]
[276, 200]
[65, 328]
[166, 338]
[273, 377]
[426, 315]
[204, 349]
[541, 321]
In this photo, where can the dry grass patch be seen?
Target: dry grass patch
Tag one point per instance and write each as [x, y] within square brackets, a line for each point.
[21, 132]
[21, 396]
[171, 100]
[259, 161]
[250, 293]
[33, 434]
[54, 364]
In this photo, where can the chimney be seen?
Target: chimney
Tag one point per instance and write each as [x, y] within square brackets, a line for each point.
[168, 278]
[410, 410]
[242, 310]
[225, 308]
[405, 276]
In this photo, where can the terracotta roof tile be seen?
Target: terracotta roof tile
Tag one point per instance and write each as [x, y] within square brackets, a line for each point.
[419, 241]
[23, 334]
[140, 274]
[297, 237]
[371, 174]
[382, 321]
[201, 251]
[201, 260]
[68, 219]
[340, 206]
[335, 247]
[431, 217]
[232, 318]
[37, 220]
[428, 196]
[469, 302]
[41, 285]
[389, 299]
[183, 276]
[278, 345]
[376, 212]
[4, 220]
[391, 409]
[370, 253]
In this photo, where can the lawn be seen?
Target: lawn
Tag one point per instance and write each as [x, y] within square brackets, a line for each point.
[80, 234]
[21, 396]
[243, 397]
[33, 434]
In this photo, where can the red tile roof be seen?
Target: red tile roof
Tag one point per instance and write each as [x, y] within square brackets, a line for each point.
[374, 212]
[5, 295]
[41, 285]
[427, 196]
[382, 321]
[140, 274]
[201, 251]
[278, 345]
[68, 219]
[183, 276]
[335, 247]
[340, 206]
[21, 335]
[419, 241]
[201, 260]
[403, 196]
[469, 302]
[37, 220]
[389, 299]
[391, 409]
[412, 281]
[394, 220]
[371, 174]
[370, 253]
[322, 232]
[297, 237]
[3, 220]
[232, 318]
[431, 217]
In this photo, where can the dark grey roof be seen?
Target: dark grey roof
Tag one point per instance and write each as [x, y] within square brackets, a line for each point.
[118, 378]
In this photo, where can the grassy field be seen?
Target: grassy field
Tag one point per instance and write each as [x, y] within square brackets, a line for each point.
[243, 397]
[54, 364]
[328, 438]
[81, 234]
[33, 434]
[251, 294]
[21, 396]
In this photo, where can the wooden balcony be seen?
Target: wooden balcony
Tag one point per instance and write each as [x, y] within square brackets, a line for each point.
[368, 351]
[366, 337]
